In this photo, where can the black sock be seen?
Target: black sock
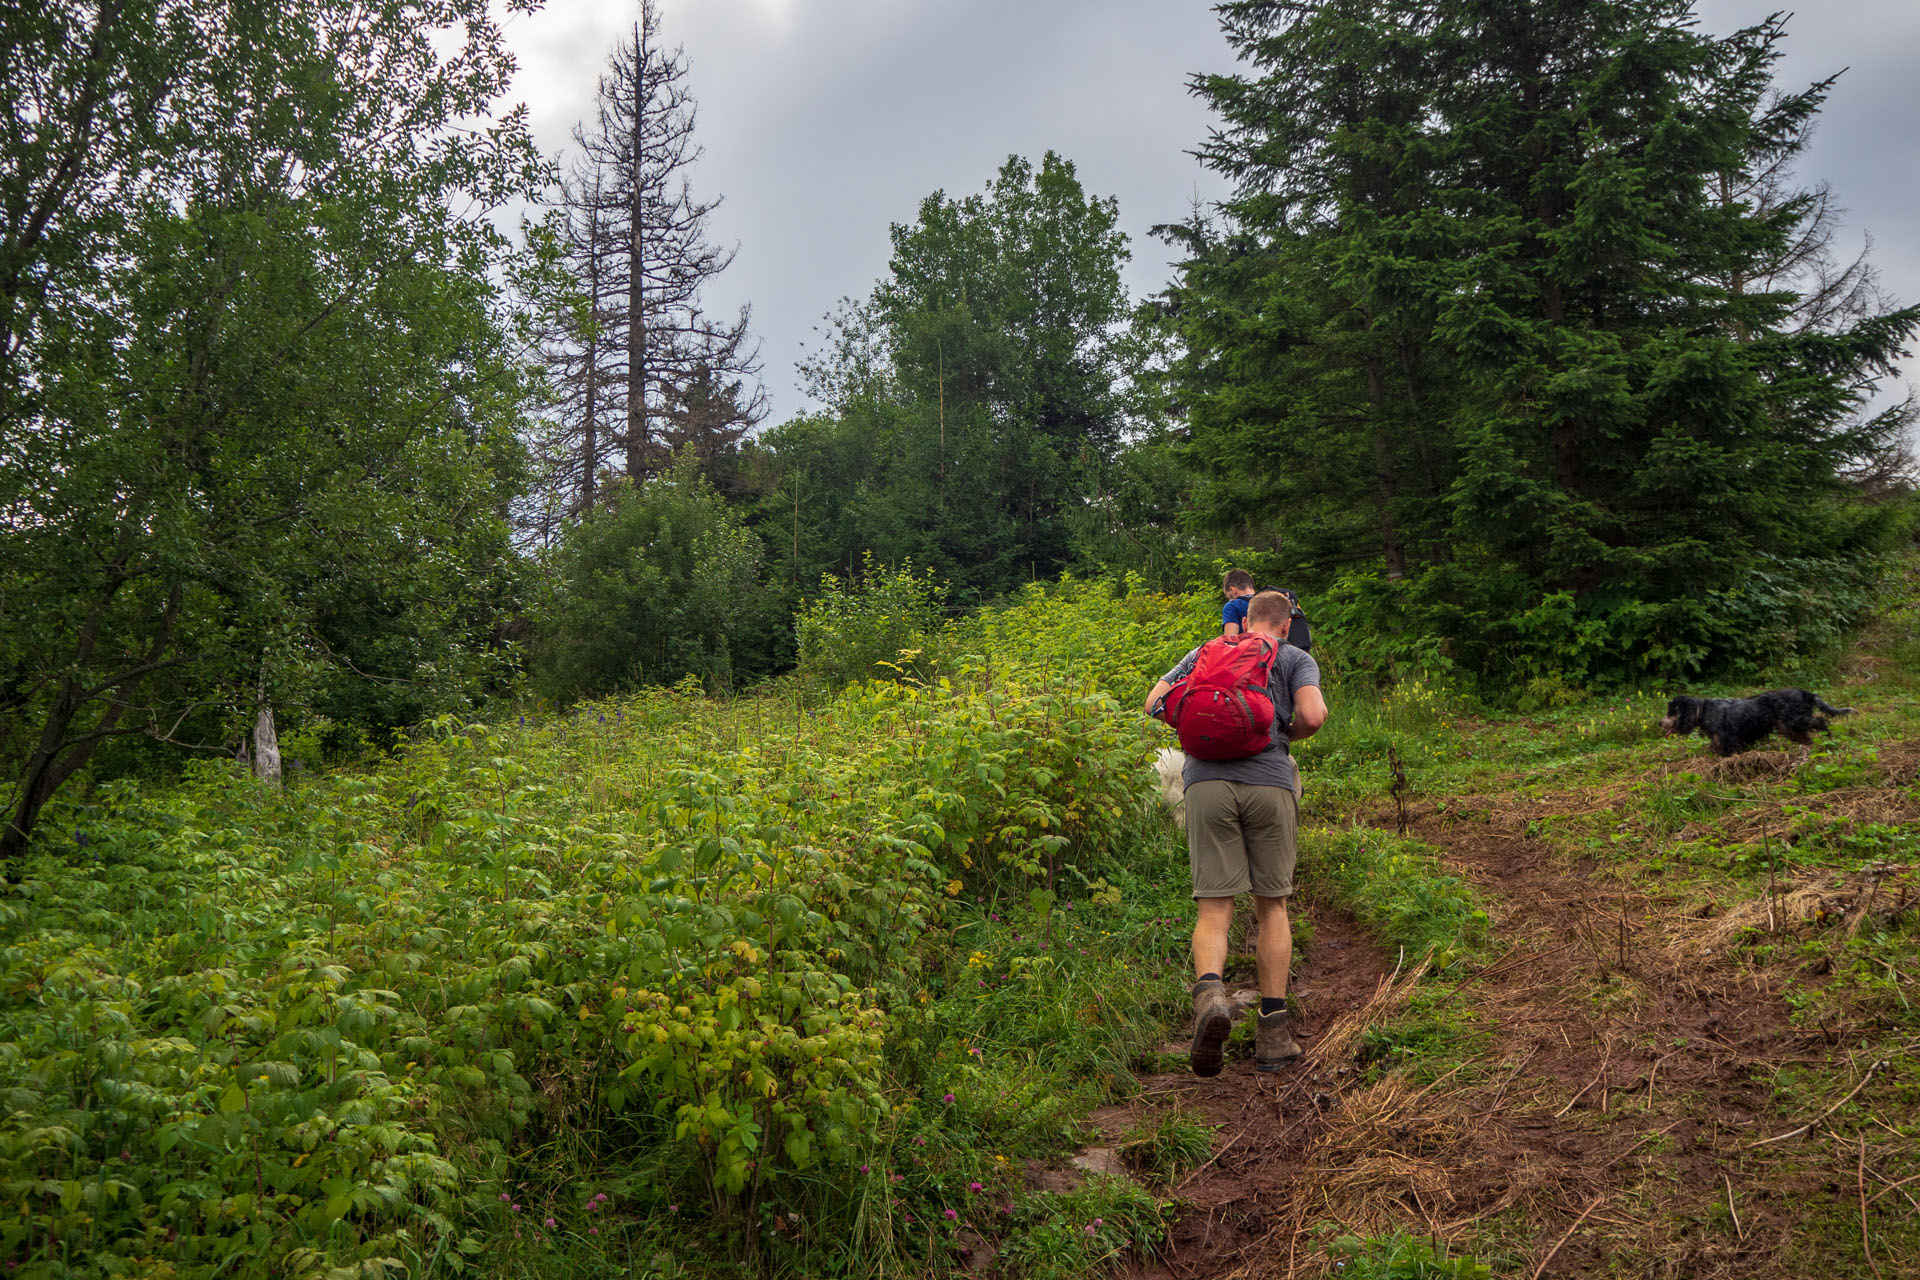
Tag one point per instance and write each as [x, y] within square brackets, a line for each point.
[1209, 977]
[1273, 1004]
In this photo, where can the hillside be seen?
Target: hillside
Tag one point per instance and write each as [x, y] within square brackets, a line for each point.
[670, 986]
[1682, 1044]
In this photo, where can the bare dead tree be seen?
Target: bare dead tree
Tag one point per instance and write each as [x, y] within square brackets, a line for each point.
[641, 242]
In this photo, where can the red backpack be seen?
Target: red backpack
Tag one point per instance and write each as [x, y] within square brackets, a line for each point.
[1222, 711]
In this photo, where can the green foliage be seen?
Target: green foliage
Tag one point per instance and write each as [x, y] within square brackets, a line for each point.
[646, 589]
[1401, 1257]
[1069, 1235]
[257, 402]
[966, 394]
[716, 961]
[1163, 1145]
[886, 623]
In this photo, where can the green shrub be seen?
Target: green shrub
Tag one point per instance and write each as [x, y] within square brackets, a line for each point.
[646, 589]
[884, 624]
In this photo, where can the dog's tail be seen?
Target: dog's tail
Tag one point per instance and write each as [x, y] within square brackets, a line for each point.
[1821, 703]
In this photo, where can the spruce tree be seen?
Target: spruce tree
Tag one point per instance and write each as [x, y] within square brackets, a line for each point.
[1497, 273]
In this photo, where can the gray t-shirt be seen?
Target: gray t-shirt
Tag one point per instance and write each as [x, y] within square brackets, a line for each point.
[1293, 669]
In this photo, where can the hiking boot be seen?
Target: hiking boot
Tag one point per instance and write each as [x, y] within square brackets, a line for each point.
[1212, 1024]
[1274, 1046]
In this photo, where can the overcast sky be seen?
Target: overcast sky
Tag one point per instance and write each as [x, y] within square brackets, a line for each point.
[824, 121]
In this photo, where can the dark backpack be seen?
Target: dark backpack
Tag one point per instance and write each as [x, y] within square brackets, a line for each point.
[1299, 633]
[1222, 710]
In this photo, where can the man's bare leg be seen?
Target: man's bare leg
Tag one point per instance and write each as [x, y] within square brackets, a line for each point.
[1275, 949]
[1210, 929]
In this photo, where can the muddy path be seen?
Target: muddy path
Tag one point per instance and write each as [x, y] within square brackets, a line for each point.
[1610, 1110]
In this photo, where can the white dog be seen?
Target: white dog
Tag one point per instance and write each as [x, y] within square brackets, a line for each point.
[1173, 790]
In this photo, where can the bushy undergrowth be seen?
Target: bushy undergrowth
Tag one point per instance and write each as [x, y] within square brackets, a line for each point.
[673, 986]
[540, 997]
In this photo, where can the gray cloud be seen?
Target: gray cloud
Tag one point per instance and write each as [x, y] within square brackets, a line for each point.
[824, 121]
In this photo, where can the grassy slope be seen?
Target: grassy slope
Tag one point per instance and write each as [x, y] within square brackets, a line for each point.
[418, 1015]
[663, 985]
[1686, 956]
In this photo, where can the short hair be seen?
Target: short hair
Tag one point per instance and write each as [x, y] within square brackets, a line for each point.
[1237, 580]
[1270, 608]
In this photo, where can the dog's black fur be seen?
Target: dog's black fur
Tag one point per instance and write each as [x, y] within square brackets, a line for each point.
[1733, 725]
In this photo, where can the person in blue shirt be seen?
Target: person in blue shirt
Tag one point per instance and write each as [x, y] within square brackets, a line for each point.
[1240, 589]
[1238, 586]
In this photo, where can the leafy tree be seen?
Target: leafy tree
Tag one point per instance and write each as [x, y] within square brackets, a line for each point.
[987, 369]
[252, 368]
[654, 585]
[1506, 298]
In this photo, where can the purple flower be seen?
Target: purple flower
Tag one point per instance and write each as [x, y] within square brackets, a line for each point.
[594, 1231]
[948, 1098]
[919, 1142]
[549, 1224]
[1099, 1222]
[976, 1186]
[949, 1215]
[505, 1198]
[866, 1169]
[516, 1208]
[673, 1208]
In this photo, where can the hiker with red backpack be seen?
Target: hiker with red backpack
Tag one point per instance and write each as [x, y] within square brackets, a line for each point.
[1236, 702]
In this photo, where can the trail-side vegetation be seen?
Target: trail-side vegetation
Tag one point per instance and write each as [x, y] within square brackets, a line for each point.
[797, 984]
[797, 980]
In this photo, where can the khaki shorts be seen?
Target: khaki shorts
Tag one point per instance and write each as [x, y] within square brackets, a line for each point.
[1241, 839]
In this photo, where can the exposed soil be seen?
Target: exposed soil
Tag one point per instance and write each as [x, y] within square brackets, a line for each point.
[1627, 1083]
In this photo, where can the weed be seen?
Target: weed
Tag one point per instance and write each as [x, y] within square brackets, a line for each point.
[1070, 1235]
[1400, 1257]
[1162, 1145]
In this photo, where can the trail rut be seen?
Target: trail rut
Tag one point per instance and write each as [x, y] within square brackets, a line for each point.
[1624, 1078]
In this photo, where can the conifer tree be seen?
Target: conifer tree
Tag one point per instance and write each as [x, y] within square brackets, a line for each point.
[639, 248]
[1519, 279]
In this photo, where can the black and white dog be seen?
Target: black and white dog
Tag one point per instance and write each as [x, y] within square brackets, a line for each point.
[1734, 725]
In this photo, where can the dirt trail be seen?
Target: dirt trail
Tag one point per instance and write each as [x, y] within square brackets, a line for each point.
[1621, 1078]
